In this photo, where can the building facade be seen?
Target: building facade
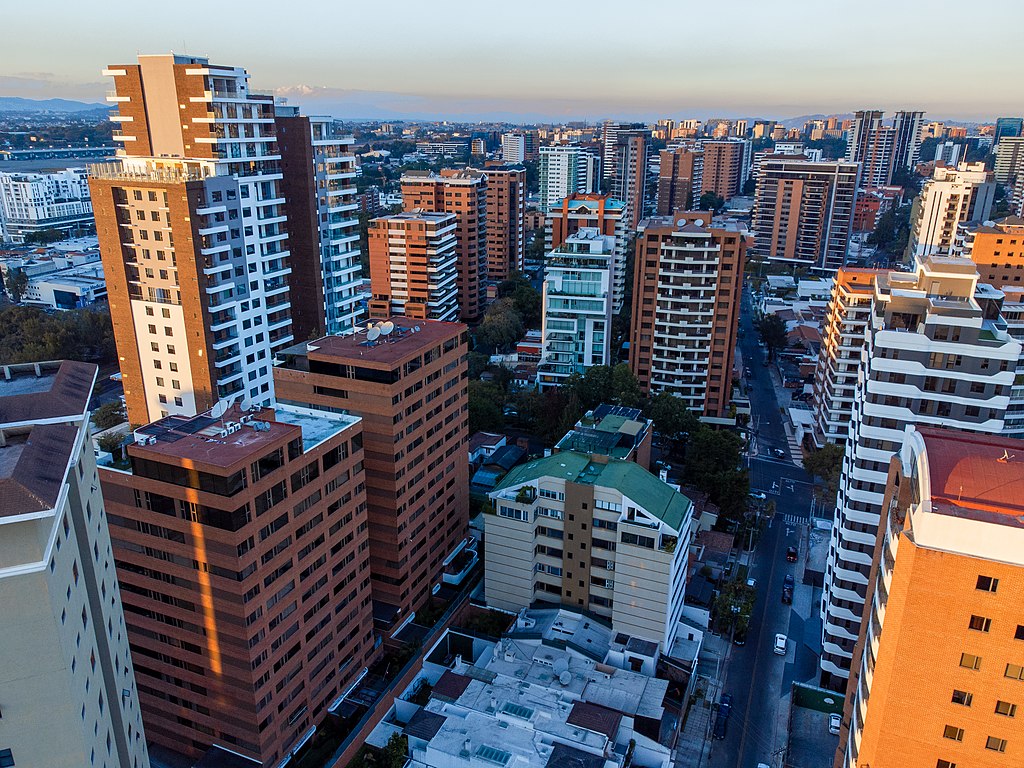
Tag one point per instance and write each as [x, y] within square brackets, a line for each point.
[1009, 159]
[943, 593]
[629, 184]
[464, 194]
[577, 306]
[1008, 127]
[318, 181]
[950, 198]
[680, 180]
[936, 352]
[413, 266]
[907, 148]
[506, 221]
[803, 211]
[410, 389]
[873, 145]
[32, 203]
[688, 278]
[67, 682]
[513, 147]
[726, 167]
[591, 533]
[566, 169]
[194, 228]
[835, 377]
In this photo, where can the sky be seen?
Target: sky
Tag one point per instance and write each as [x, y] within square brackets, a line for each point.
[531, 60]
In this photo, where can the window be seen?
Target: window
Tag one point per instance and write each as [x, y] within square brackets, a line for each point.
[515, 514]
[962, 697]
[6, 758]
[1006, 708]
[987, 584]
[971, 662]
[1019, 634]
[1014, 672]
[952, 732]
[945, 764]
[996, 745]
[980, 624]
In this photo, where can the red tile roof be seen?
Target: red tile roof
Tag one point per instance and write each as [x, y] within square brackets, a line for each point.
[595, 718]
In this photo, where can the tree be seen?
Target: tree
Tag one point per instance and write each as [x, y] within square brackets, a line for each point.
[486, 407]
[826, 463]
[525, 298]
[749, 187]
[773, 333]
[109, 415]
[709, 201]
[733, 607]
[713, 465]
[625, 389]
[502, 326]
[30, 335]
[111, 442]
[396, 753]
[17, 284]
[477, 363]
[671, 417]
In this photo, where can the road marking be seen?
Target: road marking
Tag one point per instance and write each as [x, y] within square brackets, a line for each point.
[795, 520]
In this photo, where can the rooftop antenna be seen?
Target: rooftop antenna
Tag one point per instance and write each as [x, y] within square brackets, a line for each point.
[386, 328]
[1006, 456]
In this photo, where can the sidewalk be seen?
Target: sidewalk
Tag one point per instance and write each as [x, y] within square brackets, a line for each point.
[694, 743]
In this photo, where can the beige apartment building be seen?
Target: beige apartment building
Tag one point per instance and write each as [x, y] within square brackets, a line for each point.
[68, 697]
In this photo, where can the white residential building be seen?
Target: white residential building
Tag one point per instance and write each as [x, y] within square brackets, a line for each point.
[1009, 159]
[31, 203]
[593, 533]
[513, 147]
[566, 169]
[68, 696]
[951, 197]
[936, 352]
[577, 306]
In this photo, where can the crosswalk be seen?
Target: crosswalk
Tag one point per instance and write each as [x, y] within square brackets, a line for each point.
[790, 519]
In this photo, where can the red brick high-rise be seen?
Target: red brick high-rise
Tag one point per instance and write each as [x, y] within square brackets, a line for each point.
[506, 214]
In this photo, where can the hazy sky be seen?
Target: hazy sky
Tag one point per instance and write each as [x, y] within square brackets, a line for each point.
[528, 60]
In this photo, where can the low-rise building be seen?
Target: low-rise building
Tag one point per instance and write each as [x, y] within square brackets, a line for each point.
[594, 533]
[31, 203]
[614, 431]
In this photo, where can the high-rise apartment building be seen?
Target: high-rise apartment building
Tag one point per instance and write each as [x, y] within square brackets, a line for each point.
[410, 388]
[576, 326]
[835, 377]
[726, 167]
[688, 277]
[68, 696]
[951, 197]
[907, 147]
[592, 533]
[873, 145]
[506, 220]
[680, 180]
[603, 213]
[463, 193]
[566, 169]
[941, 639]
[997, 250]
[610, 132]
[1009, 159]
[194, 227]
[1008, 127]
[629, 184]
[935, 352]
[803, 211]
[513, 147]
[240, 542]
[413, 266]
[31, 203]
[319, 171]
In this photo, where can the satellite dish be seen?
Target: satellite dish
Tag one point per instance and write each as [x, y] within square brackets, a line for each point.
[561, 667]
[565, 678]
[386, 328]
[416, 329]
[246, 404]
[219, 409]
[373, 334]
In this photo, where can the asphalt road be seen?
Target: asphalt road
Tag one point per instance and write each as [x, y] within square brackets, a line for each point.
[757, 678]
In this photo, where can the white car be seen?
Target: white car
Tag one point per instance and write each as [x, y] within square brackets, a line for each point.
[759, 495]
[780, 644]
[834, 723]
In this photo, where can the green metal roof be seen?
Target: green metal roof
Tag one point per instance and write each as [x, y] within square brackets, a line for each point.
[656, 497]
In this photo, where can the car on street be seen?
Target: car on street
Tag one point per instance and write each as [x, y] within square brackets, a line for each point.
[788, 581]
[787, 595]
[791, 554]
[778, 453]
[834, 723]
[759, 495]
[740, 638]
[747, 372]
[722, 718]
[780, 644]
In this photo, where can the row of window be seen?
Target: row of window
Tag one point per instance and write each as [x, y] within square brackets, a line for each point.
[957, 734]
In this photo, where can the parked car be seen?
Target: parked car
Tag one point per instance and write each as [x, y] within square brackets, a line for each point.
[722, 719]
[759, 495]
[740, 638]
[787, 595]
[834, 723]
[791, 554]
[788, 581]
[778, 453]
[747, 372]
[780, 644]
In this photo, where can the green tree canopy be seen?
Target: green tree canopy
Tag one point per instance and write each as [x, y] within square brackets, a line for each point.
[502, 326]
[486, 407]
[109, 415]
[826, 464]
[773, 333]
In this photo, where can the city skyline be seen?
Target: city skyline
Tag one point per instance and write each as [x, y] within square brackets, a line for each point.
[341, 69]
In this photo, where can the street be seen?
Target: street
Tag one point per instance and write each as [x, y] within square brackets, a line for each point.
[758, 679]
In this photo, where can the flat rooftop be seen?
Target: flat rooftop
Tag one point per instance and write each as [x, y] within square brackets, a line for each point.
[36, 392]
[975, 476]
[407, 338]
[33, 467]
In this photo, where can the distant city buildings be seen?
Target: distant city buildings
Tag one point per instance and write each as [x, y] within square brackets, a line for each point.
[413, 266]
[566, 169]
[803, 211]
[1009, 164]
[907, 145]
[586, 531]
[687, 284]
[951, 197]
[513, 147]
[33, 203]
[1008, 127]
[577, 306]
[65, 275]
[949, 545]
[67, 679]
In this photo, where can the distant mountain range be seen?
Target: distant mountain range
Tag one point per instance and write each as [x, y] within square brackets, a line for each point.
[19, 104]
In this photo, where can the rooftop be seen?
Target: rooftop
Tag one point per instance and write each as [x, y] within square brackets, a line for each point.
[975, 476]
[409, 338]
[655, 496]
[36, 392]
[33, 466]
[608, 430]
